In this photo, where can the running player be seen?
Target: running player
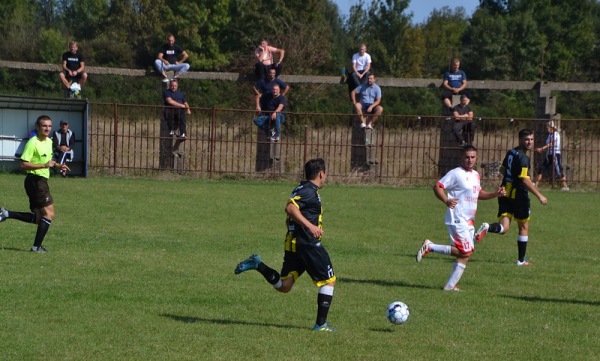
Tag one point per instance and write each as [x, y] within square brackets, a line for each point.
[303, 248]
[515, 168]
[464, 190]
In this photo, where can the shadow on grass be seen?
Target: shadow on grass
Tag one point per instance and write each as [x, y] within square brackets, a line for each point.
[221, 321]
[386, 283]
[553, 300]
[13, 249]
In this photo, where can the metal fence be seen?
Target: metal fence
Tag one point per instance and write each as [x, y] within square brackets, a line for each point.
[401, 150]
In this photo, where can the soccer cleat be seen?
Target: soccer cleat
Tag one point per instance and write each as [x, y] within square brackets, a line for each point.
[38, 249]
[424, 250]
[455, 288]
[3, 214]
[481, 232]
[251, 262]
[524, 263]
[324, 327]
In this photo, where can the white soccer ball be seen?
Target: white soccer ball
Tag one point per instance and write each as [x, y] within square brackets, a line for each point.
[397, 313]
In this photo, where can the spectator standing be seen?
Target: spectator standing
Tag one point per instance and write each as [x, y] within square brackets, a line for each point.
[463, 188]
[271, 115]
[303, 248]
[177, 108]
[515, 169]
[171, 57]
[265, 60]
[552, 161]
[361, 64]
[62, 142]
[368, 105]
[464, 126]
[454, 83]
[73, 66]
[36, 161]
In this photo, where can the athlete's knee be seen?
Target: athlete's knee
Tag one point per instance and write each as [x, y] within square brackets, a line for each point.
[286, 285]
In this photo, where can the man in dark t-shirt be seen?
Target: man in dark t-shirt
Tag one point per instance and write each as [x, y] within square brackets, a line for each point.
[177, 108]
[169, 59]
[73, 66]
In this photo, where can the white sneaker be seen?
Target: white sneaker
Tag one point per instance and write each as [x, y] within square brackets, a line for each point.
[424, 250]
[182, 136]
[3, 214]
[171, 133]
[565, 189]
[363, 125]
[481, 232]
[165, 80]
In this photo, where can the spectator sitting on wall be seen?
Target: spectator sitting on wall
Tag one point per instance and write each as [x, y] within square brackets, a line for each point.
[265, 61]
[73, 67]
[263, 89]
[454, 83]
[168, 59]
[361, 64]
[368, 105]
[464, 126]
[272, 116]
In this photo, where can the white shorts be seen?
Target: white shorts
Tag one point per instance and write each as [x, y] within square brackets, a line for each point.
[461, 237]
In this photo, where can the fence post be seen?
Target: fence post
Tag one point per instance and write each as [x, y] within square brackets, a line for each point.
[115, 137]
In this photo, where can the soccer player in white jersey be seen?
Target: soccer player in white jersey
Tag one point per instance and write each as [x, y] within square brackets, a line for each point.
[459, 190]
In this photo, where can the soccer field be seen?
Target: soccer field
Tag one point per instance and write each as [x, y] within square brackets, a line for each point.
[142, 269]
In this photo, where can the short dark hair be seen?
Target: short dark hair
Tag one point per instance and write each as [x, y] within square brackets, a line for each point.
[525, 133]
[468, 148]
[313, 167]
[40, 118]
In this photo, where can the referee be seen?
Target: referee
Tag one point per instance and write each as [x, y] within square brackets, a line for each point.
[36, 160]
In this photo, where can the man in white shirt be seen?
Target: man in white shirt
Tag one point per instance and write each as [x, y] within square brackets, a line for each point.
[361, 64]
[463, 188]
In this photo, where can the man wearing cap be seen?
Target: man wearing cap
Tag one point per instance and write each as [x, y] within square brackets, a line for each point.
[177, 108]
[62, 143]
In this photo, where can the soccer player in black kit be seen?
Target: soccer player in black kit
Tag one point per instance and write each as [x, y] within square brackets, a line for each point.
[303, 248]
[518, 184]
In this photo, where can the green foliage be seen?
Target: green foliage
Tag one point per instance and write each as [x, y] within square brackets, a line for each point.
[50, 46]
[142, 269]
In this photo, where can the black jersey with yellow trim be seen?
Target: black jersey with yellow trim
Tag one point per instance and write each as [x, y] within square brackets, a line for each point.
[516, 167]
[306, 197]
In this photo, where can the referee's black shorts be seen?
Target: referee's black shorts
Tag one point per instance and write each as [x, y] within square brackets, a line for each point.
[38, 191]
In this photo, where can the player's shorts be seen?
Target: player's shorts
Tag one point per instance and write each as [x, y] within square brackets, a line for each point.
[312, 259]
[69, 77]
[461, 237]
[552, 161]
[519, 207]
[38, 191]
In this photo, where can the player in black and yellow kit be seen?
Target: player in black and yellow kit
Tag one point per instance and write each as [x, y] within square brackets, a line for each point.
[303, 248]
[37, 160]
[518, 184]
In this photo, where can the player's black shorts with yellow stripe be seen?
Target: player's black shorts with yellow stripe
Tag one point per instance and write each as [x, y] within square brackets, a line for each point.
[38, 191]
[519, 207]
[313, 259]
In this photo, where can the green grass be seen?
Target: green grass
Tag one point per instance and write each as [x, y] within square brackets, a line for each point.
[142, 269]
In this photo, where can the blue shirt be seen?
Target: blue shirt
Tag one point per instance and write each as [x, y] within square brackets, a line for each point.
[455, 80]
[368, 93]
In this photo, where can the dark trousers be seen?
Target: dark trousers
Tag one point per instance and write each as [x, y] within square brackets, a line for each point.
[175, 118]
[464, 131]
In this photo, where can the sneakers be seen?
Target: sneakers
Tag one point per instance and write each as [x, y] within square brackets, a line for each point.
[455, 289]
[524, 263]
[273, 135]
[251, 262]
[38, 249]
[481, 232]
[369, 126]
[172, 133]
[3, 214]
[324, 327]
[424, 250]
[182, 136]
[363, 125]
[565, 189]
[165, 80]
